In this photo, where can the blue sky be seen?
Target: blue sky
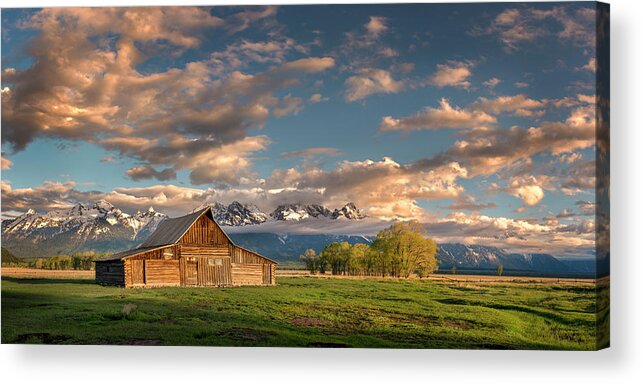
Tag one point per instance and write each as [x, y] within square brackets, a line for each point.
[474, 118]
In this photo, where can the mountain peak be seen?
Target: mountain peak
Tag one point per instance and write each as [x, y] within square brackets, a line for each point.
[151, 210]
[296, 212]
[81, 224]
[348, 211]
[238, 214]
[103, 206]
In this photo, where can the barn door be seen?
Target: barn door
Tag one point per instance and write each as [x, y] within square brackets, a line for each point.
[190, 271]
[214, 271]
[138, 272]
[267, 274]
[162, 272]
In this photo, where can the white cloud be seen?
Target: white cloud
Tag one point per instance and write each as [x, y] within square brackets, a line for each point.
[381, 188]
[317, 98]
[492, 82]
[309, 65]
[519, 104]
[453, 74]
[590, 66]
[84, 86]
[445, 116]
[371, 81]
[515, 27]
[6, 163]
[528, 189]
[147, 172]
[514, 235]
[376, 26]
[486, 150]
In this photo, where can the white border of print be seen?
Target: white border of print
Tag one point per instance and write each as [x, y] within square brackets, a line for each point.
[619, 364]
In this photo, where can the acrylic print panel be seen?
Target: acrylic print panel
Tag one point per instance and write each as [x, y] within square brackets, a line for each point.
[372, 176]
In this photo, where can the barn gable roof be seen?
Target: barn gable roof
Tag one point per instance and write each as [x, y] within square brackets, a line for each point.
[170, 231]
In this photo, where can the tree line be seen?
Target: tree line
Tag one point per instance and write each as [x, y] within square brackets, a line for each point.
[398, 251]
[80, 261]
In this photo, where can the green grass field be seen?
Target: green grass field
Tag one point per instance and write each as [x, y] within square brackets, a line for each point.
[306, 312]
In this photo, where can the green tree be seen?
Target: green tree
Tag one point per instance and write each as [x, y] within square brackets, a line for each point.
[336, 255]
[380, 256]
[357, 264]
[311, 260]
[453, 270]
[405, 250]
[500, 269]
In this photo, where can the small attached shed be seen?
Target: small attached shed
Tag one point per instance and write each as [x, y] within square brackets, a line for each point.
[191, 250]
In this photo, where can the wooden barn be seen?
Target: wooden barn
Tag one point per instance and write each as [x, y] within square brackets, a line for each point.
[191, 250]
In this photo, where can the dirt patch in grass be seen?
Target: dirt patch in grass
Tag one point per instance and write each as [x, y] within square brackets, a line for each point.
[426, 320]
[309, 322]
[40, 338]
[457, 324]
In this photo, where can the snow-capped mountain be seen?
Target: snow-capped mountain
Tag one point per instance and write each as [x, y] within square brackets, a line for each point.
[348, 211]
[237, 214]
[80, 228]
[101, 227]
[296, 212]
[477, 257]
[86, 222]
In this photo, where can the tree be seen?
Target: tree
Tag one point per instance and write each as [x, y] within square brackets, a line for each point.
[500, 269]
[311, 260]
[453, 270]
[357, 264]
[380, 256]
[336, 256]
[402, 249]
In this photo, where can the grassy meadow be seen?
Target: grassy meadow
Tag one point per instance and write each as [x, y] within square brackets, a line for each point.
[308, 312]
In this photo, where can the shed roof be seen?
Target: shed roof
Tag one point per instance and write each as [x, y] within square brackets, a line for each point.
[170, 231]
[131, 252]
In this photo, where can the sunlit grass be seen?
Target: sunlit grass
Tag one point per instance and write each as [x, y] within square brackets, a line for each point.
[302, 312]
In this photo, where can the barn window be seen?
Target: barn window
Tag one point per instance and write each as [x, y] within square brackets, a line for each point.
[109, 269]
[168, 254]
[215, 262]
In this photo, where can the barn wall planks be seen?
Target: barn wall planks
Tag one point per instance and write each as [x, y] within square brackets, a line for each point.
[214, 271]
[189, 265]
[266, 274]
[137, 268]
[110, 273]
[168, 252]
[205, 231]
[161, 272]
[244, 256]
[196, 251]
[247, 274]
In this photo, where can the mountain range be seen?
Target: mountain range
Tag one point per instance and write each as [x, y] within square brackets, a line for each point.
[100, 227]
[104, 228]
